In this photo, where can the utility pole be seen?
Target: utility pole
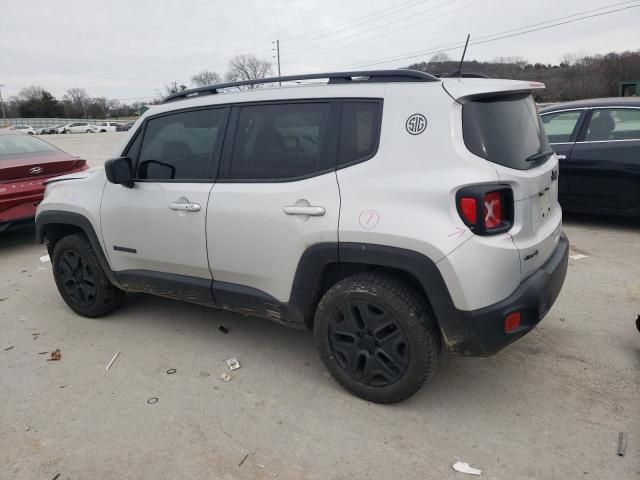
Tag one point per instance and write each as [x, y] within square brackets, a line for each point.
[276, 48]
[4, 119]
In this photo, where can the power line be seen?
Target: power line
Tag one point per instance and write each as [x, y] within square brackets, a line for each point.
[499, 35]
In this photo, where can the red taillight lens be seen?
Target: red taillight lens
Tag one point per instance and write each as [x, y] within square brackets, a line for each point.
[512, 322]
[492, 210]
[469, 209]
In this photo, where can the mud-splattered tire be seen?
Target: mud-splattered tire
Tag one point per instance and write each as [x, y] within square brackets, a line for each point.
[377, 336]
[80, 279]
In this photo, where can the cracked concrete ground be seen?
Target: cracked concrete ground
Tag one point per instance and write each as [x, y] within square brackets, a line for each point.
[548, 407]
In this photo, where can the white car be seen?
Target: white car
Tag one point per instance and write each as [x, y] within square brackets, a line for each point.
[28, 129]
[392, 213]
[78, 127]
[108, 127]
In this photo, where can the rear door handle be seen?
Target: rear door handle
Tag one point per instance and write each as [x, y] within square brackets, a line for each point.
[187, 207]
[562, 157]
[299, 210]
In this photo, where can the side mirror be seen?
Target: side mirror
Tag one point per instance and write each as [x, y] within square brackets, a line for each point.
[120, 171]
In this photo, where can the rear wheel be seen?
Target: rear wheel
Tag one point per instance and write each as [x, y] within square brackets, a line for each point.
[377, 337]
[80, 279]
[67, 131]
[88, 131]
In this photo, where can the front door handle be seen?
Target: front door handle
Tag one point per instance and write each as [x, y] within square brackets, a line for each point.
[304, 210]
[187, 207]
[562, 157]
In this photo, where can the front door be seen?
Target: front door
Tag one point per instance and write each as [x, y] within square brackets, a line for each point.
[276, 195]
[158, 226]
[604, 169]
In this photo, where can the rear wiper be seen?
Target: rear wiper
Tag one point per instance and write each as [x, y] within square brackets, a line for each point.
[539, 156]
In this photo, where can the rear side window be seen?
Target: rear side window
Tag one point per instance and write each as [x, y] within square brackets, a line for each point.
[560, 126]
[359, 133]
[505, 130]
[281, 141]
[614, 124]
[179, 146]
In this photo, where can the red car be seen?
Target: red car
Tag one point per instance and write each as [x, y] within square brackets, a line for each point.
[25, 163]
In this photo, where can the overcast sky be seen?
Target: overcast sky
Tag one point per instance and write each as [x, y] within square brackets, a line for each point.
[127, 49]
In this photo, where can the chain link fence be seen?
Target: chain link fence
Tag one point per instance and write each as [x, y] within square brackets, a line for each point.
[50, 122]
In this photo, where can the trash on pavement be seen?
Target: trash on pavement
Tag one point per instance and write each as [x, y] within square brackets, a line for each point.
[9, 348]
[45, 258]
[112, 360]
[226, 376]
[171, 371]
[464, 467]
[242, 461]
[233, 364]
[55, 356]
[622, 443]
[35, 336]
[578, 256]
[223, 329]
[152, 400]
[42, 353]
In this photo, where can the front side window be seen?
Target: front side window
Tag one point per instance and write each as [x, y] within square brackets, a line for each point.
[359, 131]
[614, 124]
[281, 141]
[180, 145]
[560, 126]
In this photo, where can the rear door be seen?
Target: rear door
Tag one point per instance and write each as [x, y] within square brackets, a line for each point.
[604, 169]
[562, 128]
[158, 226]
[276, 195]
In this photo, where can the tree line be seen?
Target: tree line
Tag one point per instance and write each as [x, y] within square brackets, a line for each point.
[36, 101]
[576, 76]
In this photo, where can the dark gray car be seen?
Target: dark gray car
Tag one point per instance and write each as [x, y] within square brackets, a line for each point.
[598, 144]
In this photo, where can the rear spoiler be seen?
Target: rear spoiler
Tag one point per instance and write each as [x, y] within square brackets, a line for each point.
[465, 89]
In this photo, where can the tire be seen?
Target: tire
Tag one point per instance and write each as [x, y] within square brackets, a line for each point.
[67, 131]
[393, 349]
[88, 131]
[80, 279]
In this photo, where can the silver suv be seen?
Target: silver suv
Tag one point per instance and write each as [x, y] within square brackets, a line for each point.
[392, 213]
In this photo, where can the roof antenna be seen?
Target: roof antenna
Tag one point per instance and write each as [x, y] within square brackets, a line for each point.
[458, 73]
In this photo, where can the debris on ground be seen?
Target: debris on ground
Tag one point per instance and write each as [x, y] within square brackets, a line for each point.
[35, 336]
[62, 386]
[112, 360]
[226, 376]
[42, 353]
[223, 329]
[622, 443]
[578, 256]
[57, 476]
[45, 258]
[464, 467]
[27, 428]
[233, 364]
[242, 461]
[152, 400]
[55, 356]
[171, 371]
[9, 348]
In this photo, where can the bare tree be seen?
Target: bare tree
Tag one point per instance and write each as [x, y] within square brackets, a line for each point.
[205, 78]
[248, 67]
[440, 57]
[75, 102]
[31, 93]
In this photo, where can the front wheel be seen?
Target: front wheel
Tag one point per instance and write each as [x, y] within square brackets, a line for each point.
[377, 337]
[88, 131]
[80, 279]
[67, 131]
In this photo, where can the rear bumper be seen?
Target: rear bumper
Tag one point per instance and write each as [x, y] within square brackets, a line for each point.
[481, 332]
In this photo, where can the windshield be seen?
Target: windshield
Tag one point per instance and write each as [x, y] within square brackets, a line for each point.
[13, 145]
[505, 130]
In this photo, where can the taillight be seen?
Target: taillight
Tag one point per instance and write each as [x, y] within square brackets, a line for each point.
[486, 209]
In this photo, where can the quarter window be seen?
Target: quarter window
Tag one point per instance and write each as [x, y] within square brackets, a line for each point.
[359, 131]
[614, 124]
[560, 126]
[282, 141]
[179, 146]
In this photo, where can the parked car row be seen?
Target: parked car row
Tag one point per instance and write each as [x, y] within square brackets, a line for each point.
[74, 127]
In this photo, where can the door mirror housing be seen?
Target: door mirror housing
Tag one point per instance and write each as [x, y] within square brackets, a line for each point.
[120, 171]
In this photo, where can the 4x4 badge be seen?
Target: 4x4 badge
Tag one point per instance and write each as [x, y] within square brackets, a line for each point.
[416, 124]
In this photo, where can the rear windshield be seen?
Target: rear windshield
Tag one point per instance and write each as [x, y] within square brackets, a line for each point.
[19, 144]
[505, 130]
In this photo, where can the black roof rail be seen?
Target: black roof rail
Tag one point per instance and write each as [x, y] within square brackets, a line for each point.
[460, 75]
[374, 76]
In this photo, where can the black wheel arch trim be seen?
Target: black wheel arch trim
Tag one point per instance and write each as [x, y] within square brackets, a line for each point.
[62, 218]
